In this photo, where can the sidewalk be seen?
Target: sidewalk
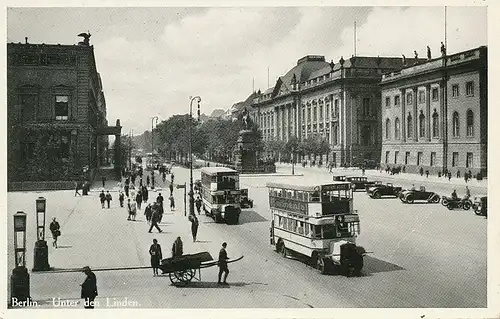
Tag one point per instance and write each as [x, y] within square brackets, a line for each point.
[402, 176]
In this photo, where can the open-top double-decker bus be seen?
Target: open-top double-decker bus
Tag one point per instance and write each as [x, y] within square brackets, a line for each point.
[317, 221]
[220, 192]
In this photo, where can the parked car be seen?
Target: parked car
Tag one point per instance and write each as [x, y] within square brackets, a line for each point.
[366, 163]
[377, 191]
[245, 202]
[480, 205]
[409, 196]
[359, 182]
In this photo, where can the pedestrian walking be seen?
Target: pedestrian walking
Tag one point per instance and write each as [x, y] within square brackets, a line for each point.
[427, 173]
[449, 176]
[89, 288]
[172, 203]
[145, 195]
[132, 210]
[140, 182]
[102, 197]
[197, 203]
[177, 248]
[121, 198]
[147, 180]
[194, 226]
[171, 187]
[159, 199]
[55, 230]
[458, 173]
[155, 253]
[103, 181]
[138, 199]
[148, 212]
[152, 180]
[155, 218]
[126, 188]
[164, 177]
[466, 177]
[421, 171]
[172, 178]
[77, 187]
[108, 198]
[223, 264]
[467, 192]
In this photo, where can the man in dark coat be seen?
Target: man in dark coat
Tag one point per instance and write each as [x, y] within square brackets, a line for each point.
[155, 218]
[177, 249]
[155, 252]
[108, 198]
[89, 288]
[194, 226]
[198, 204]
[223, 264]
[102, 198]
[171, 187]
[145, 194]
[55, 230]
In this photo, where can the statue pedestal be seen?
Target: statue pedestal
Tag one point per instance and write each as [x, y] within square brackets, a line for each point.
[245, 155]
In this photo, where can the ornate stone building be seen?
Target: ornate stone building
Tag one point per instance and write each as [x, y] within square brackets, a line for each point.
[338, 102]
[57, 127]
[435, 114]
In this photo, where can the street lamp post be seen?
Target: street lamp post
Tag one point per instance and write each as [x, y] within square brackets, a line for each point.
[191, 192]
[41, 251]
[20, 279]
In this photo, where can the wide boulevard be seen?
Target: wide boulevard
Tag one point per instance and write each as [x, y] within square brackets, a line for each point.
[422, 255]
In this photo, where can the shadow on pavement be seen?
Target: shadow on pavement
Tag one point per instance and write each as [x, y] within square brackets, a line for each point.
[206, 284]
[59, 247]
[373, 265]
[250, 216]
[203, 241]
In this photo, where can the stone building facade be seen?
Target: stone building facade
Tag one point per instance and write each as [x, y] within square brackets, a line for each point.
[435, 115]
[57, 127]
[338, 102]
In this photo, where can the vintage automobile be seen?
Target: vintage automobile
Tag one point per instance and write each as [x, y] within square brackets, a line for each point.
[339, 178]
[411, 195]
[480, 205]
[245, 202]
[377, 191]
[358, 182]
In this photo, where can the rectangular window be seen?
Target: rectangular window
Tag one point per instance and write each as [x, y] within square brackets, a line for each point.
[469, 88]
[454, 90]
[433, 158]
[336, 111]
[321, 113]
[396, 100]
[409, 99]
[387, 102]
[407, 158]
[419, 158]
[61, 107]
[387, 153]
[315, 114]
[396, 155]
[454, 159]
[421, 97]
[327, 112]
[366, 106]
[435, 94]
[469, 160]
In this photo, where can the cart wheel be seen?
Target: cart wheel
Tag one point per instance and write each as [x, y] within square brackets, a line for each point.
[181, 277]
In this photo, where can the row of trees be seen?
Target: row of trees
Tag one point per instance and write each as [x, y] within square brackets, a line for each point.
[312, 145]
[214, 139]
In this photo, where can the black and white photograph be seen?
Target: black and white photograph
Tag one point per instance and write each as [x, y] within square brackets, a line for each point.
[306, 157]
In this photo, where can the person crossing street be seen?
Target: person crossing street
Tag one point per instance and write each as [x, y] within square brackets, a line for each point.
[223, 265]
[155, 218]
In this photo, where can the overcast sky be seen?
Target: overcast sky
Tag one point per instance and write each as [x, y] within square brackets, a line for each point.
[152, 59]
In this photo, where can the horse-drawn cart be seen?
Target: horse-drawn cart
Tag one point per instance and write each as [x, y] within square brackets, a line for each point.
[181, 270]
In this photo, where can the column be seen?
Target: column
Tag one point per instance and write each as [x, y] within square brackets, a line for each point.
[428, 115]
[415, 113]
[403, 115]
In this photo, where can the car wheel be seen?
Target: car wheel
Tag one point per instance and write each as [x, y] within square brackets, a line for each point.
[444, 201]
[477, 211]
[436, 199]
[409, 200]
[376, 195]
[466, 205]
[450, 206]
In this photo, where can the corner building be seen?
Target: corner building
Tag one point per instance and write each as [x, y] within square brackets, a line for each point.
[339, 102]
[435, 115]
[56, 112]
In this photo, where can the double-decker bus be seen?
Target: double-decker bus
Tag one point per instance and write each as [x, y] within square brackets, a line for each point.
[220, 192]
[317, 221]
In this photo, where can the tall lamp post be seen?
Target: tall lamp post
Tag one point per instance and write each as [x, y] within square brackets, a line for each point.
[191, 193]
[41, 251]
[20, 279]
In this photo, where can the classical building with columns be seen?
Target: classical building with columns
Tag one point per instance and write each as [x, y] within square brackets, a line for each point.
[435, 114]
[56, 115]
[338, 102]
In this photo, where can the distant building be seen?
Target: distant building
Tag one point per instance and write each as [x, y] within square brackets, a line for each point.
[57, 127]
[217, 113]
[239, 108]
[435, 114]
[337, 102]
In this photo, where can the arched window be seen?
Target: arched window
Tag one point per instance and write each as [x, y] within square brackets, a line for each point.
[409, 126]
[435, 124]
[470, 123]
[421, 124]
[397, 129]
[456, 124]
[387, 129]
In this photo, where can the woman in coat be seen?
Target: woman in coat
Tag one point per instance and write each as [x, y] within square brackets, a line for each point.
[138, 199]
[55, 230]
[155, 253]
